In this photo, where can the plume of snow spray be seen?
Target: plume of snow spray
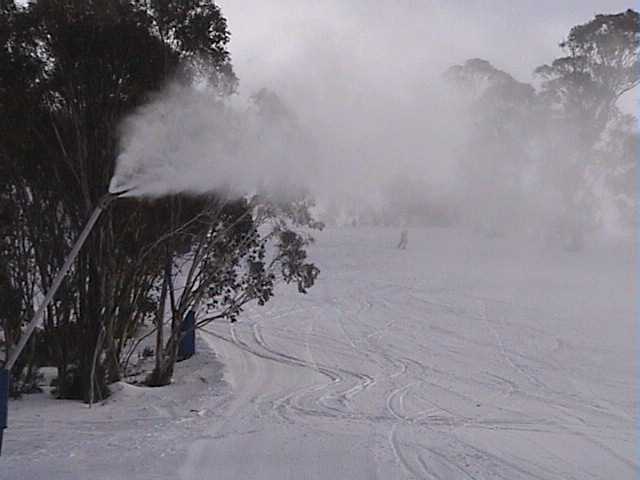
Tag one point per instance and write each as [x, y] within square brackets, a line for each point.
[191, 141]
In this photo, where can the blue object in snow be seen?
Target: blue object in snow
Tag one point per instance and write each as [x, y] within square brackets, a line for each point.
[187, 346]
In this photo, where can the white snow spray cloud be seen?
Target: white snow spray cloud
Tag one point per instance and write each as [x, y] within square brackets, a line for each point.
[188, 140]
[364, 80]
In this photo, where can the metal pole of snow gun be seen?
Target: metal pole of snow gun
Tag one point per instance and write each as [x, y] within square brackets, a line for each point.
[103, 204]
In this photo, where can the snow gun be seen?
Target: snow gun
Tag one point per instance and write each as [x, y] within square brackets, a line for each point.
[103, 204]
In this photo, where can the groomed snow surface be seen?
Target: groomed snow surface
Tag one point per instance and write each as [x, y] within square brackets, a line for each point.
[459, 358]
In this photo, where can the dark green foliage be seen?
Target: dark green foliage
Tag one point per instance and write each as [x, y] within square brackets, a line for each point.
[294, 268]
[601, 63]
[70, 71]
[562, 136]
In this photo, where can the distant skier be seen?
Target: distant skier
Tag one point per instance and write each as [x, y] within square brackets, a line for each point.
[404, 239]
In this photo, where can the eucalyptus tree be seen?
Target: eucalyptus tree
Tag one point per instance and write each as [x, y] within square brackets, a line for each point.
[70, 72]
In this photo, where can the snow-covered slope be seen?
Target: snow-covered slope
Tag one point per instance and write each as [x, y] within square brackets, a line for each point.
[458, 358]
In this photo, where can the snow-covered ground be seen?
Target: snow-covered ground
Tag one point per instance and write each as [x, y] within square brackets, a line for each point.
[459, 358]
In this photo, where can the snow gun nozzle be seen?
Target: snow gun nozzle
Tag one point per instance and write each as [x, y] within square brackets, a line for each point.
[120, 193]
[113, 195]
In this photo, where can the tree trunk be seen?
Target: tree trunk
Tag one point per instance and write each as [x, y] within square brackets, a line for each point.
[163, 373]
[157, 376]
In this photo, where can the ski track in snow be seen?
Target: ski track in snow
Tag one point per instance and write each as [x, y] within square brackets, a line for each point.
[455, 359]
[440, 380]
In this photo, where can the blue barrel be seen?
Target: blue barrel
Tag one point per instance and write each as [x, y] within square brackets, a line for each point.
[4, 401]
[187, 346]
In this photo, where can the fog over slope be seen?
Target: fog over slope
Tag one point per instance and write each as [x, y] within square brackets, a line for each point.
[377, 127]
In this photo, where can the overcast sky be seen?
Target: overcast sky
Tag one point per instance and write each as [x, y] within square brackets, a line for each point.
[297, 46]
